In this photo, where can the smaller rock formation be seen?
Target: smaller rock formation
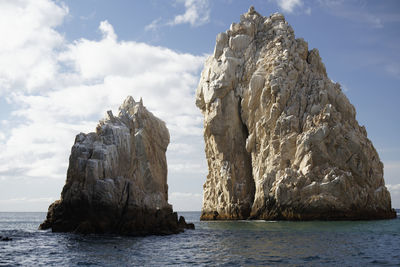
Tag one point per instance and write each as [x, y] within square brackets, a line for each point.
[117, 179]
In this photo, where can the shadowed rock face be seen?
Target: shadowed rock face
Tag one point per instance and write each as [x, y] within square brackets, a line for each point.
[282, 140]
[117, 179]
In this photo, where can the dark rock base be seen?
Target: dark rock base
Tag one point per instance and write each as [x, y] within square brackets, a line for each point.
[238, 212]
[306, 215]
[133, 221]
[327, 215]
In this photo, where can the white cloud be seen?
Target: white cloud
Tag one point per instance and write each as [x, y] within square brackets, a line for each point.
[107, 30]
[29, 43]
[187, 167]
[104, 72]
[185, 201]
[26, 204]
[393, 187]
[394, 190]
[153, 25]
[181, 195]
[82, 80]
[289, 5]
[25, 199]
[88, 17]
[197, 12]
[181, 148]
[391, 175]
[392, 165]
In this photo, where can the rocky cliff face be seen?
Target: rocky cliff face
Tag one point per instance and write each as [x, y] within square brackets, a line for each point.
[117, 178]
[282, 140]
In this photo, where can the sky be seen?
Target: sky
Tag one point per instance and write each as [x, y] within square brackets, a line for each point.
[63, 64]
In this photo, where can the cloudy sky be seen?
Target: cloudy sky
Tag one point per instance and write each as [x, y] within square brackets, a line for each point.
[64, 63]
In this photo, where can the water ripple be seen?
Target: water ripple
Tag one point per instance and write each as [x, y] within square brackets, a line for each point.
[244, 243]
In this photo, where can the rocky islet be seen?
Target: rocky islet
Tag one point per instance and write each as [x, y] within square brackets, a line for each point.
[282, 142]
[281, 139]
[117, 179]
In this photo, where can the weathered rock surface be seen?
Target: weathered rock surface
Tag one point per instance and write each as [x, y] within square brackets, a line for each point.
[117, 179]
[282, 140]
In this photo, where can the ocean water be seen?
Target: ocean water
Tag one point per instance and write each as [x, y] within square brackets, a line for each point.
[240, 243]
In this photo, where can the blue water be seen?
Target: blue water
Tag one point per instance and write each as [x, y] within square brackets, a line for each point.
[241, 243]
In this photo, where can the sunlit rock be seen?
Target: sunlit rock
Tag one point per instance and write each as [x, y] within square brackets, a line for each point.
[282, 140]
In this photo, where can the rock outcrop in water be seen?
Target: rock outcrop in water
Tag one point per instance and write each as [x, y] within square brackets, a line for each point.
[117, 179]
[282, 140]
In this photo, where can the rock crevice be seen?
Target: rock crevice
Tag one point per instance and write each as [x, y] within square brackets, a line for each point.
[281, 139]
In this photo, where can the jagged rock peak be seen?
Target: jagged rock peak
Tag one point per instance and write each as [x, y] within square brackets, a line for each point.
[282, 140]
[117, 178]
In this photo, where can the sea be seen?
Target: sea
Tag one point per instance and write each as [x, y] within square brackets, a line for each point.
[216, 243]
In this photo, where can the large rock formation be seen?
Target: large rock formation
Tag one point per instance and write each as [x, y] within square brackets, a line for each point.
[117, 178]
[282, 140]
